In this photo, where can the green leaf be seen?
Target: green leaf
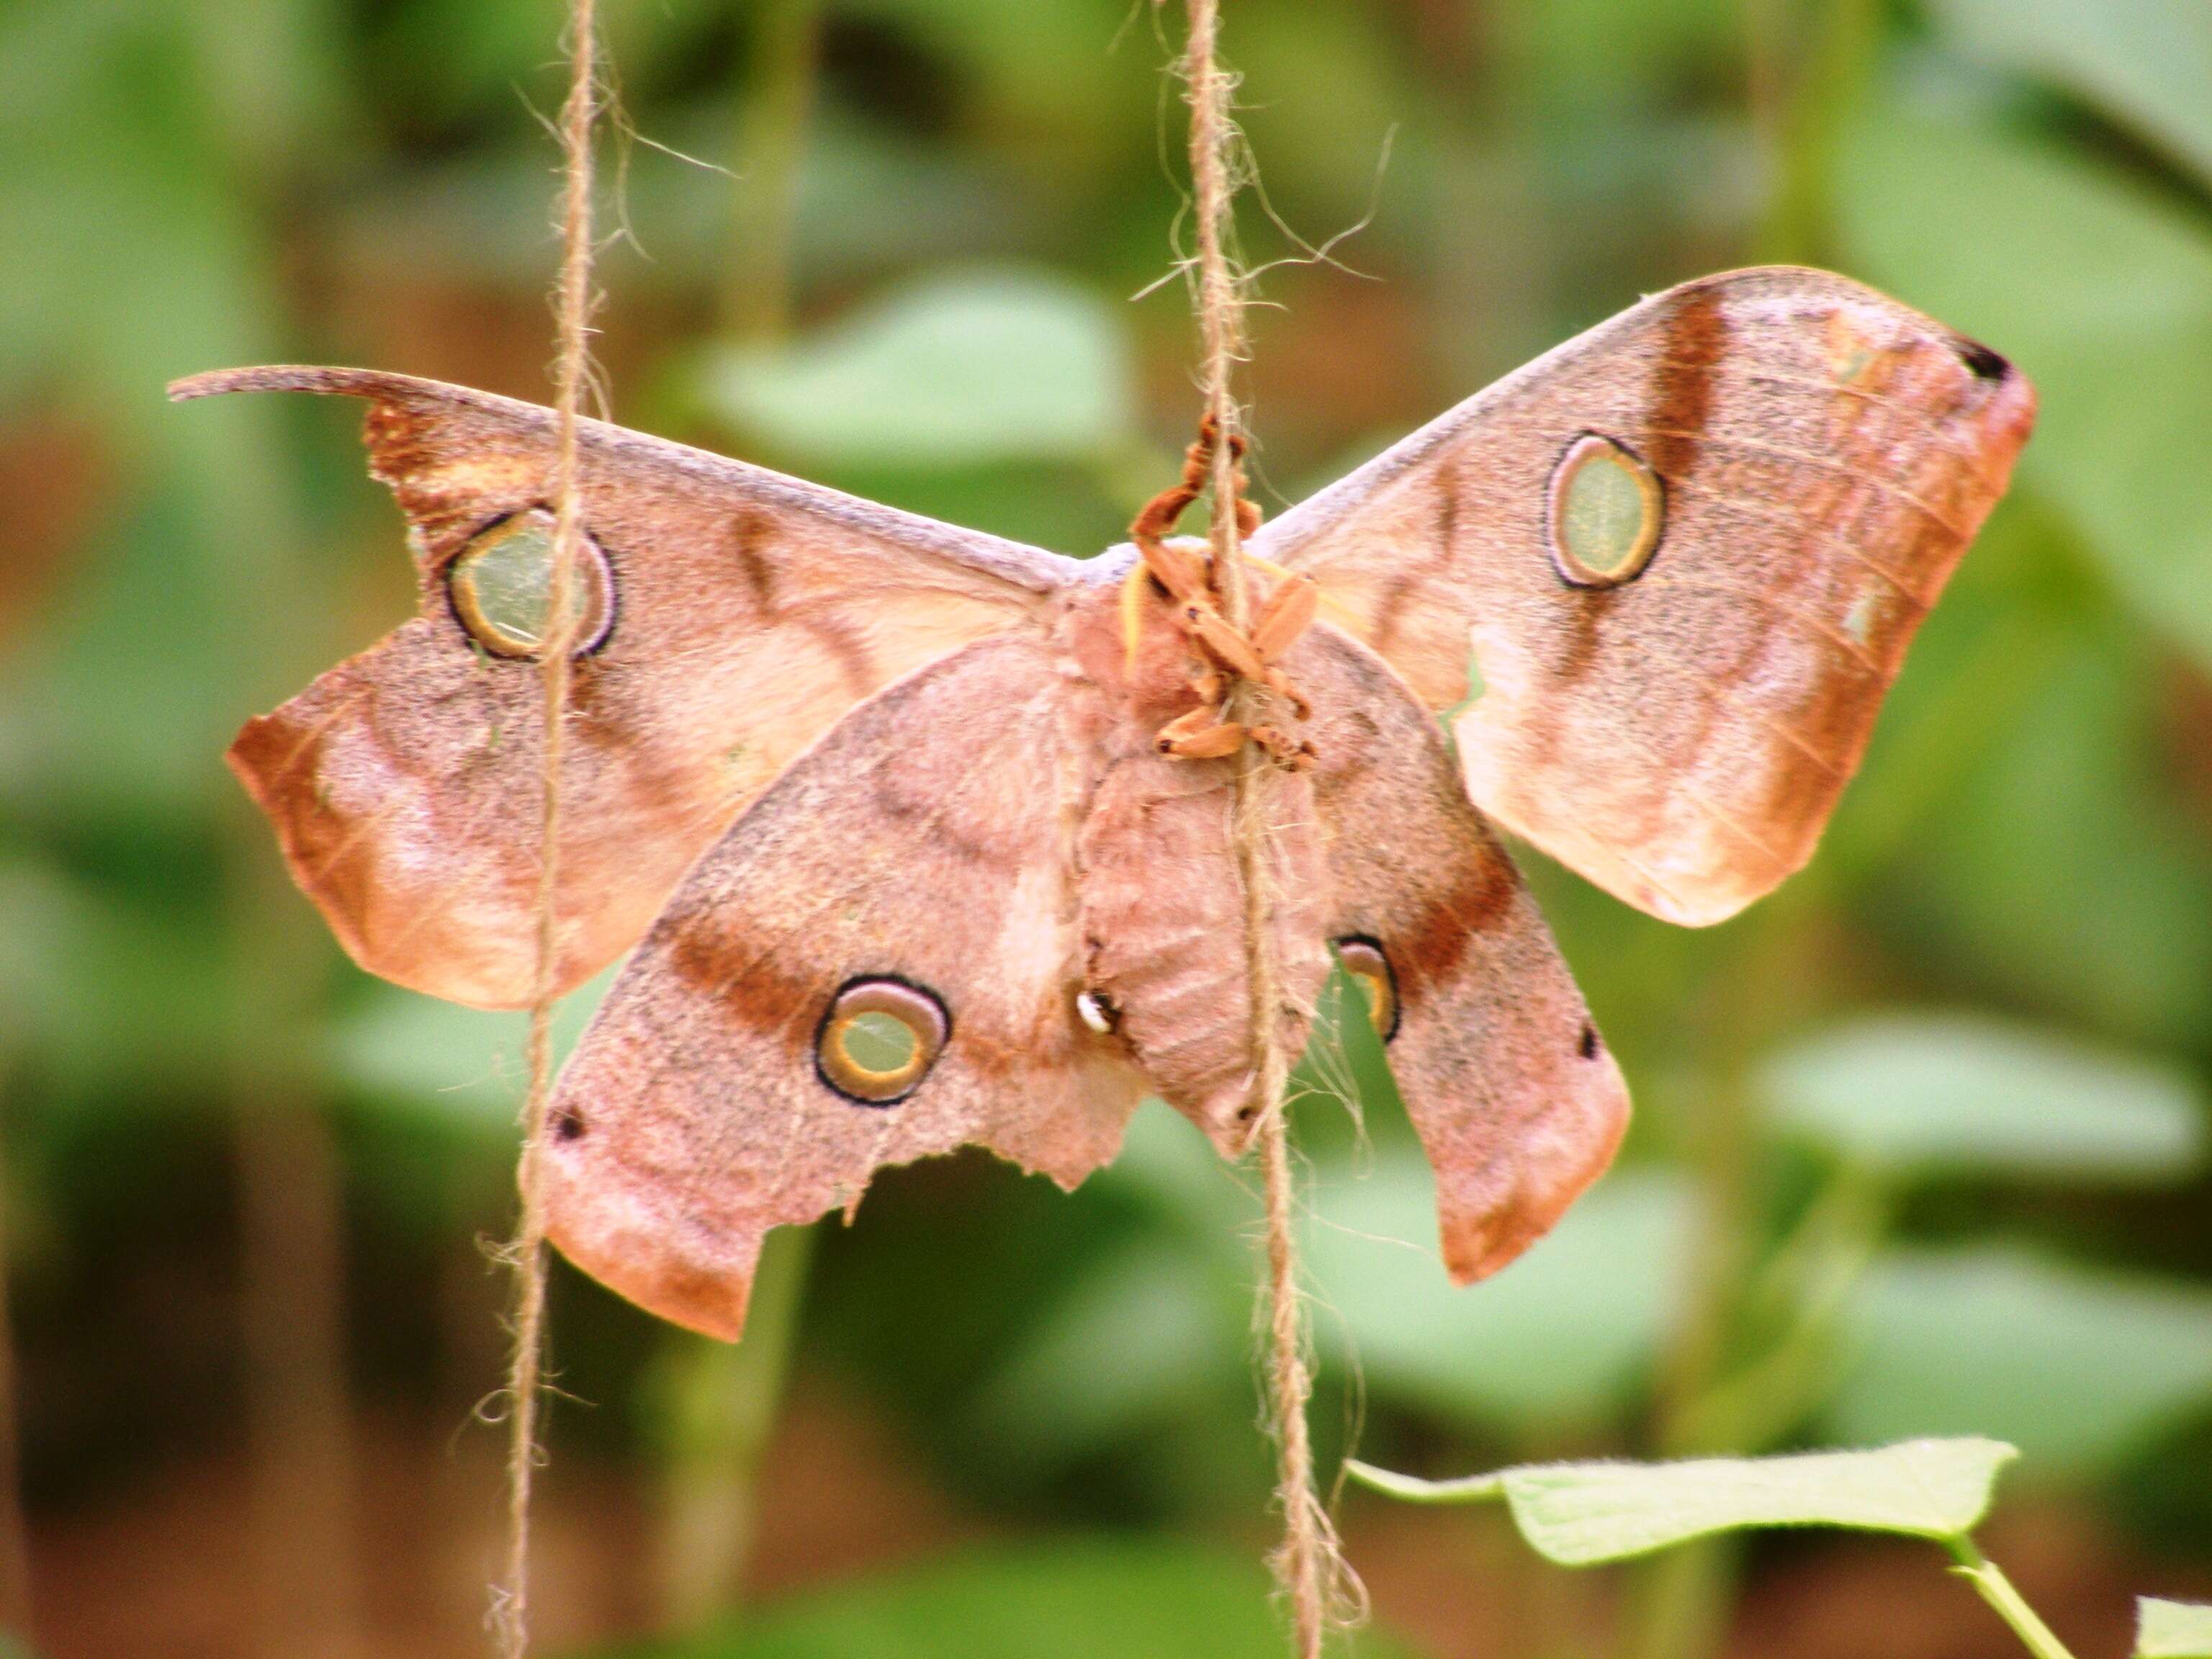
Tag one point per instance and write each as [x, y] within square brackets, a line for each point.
[417, 1054]
[2075, 1366]
[1046, 72]
[1167, 1165]
[1579, 1515]
[1084, 1601]
[2101, 289]
[2055, 720]
[114, 998]
[2146, 62]
[2172, 1629]
[1145, 1326]
[1928, 1094]
[1464, 1489]
[982, 365]
[1559, 1340]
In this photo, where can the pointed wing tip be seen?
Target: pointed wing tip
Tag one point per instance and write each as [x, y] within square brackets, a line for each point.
[1478, 1244]
[285, 377]
[1706, 909]
[635, 1262]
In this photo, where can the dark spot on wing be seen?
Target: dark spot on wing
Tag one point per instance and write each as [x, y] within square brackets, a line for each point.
[1589, 1044]
[1983, 364]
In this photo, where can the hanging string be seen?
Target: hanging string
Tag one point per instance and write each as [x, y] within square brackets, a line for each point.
[1311, 1570]
[573, 308]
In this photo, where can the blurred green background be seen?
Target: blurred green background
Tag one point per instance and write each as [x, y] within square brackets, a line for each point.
[1922, 1141]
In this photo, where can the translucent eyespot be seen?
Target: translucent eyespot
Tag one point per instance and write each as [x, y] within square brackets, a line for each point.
[501, 585]
[878, 1039]
[1371, 972]
[1097, 1012]
[1607, 512]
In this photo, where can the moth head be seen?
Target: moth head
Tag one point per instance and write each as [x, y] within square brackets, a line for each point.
[500, 587]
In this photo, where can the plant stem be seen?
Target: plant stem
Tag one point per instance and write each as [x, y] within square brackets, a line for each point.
[719, 1409]
[1802, 116]
[1679, 1607]
[1990, 1583]
[292, 1267]
[16, 1604]
[1490, 257]
[1793, 1306]
[777, 103]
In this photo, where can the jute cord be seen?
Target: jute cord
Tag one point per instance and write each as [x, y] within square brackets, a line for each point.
[572, 368]
[1315, 1580]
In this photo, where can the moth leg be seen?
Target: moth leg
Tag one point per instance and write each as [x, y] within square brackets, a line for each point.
[1201, 734]
[1198, 463]
[1236, 654]
[1280, 683]
[1178, 572]
[1282, 621]
[1288, 612]
[1291, 754]
[1224, 643]
[1183, 574]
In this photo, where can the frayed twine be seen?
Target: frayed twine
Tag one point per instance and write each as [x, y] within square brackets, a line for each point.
[509, 1612]
[1317, 1583]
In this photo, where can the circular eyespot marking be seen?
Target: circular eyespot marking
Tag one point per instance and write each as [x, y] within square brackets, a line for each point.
[569, 1124]
[500, 587]
[1608, 511]
[1096, 1011]
[1377, 980]
[878, 1040]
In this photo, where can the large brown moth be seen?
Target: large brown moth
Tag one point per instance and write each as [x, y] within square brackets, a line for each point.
[921, 837]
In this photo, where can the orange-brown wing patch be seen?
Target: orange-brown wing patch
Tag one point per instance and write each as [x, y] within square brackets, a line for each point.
[1675, 720]
[1516, 1098]
[913, 871]
[748, 611]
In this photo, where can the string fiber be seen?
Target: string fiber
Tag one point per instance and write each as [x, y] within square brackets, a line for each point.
[572, 301]
[1314, 1578]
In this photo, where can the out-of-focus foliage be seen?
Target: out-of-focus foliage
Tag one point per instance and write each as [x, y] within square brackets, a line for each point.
[1931, 1096]
[2075, 1367]
[974, 366]
[1920, 1142]
[1088, 1601]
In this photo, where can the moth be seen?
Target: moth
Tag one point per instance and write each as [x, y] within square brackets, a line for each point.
[881, 810]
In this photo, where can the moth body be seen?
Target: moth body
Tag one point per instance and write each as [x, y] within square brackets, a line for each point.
[1160, 900]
